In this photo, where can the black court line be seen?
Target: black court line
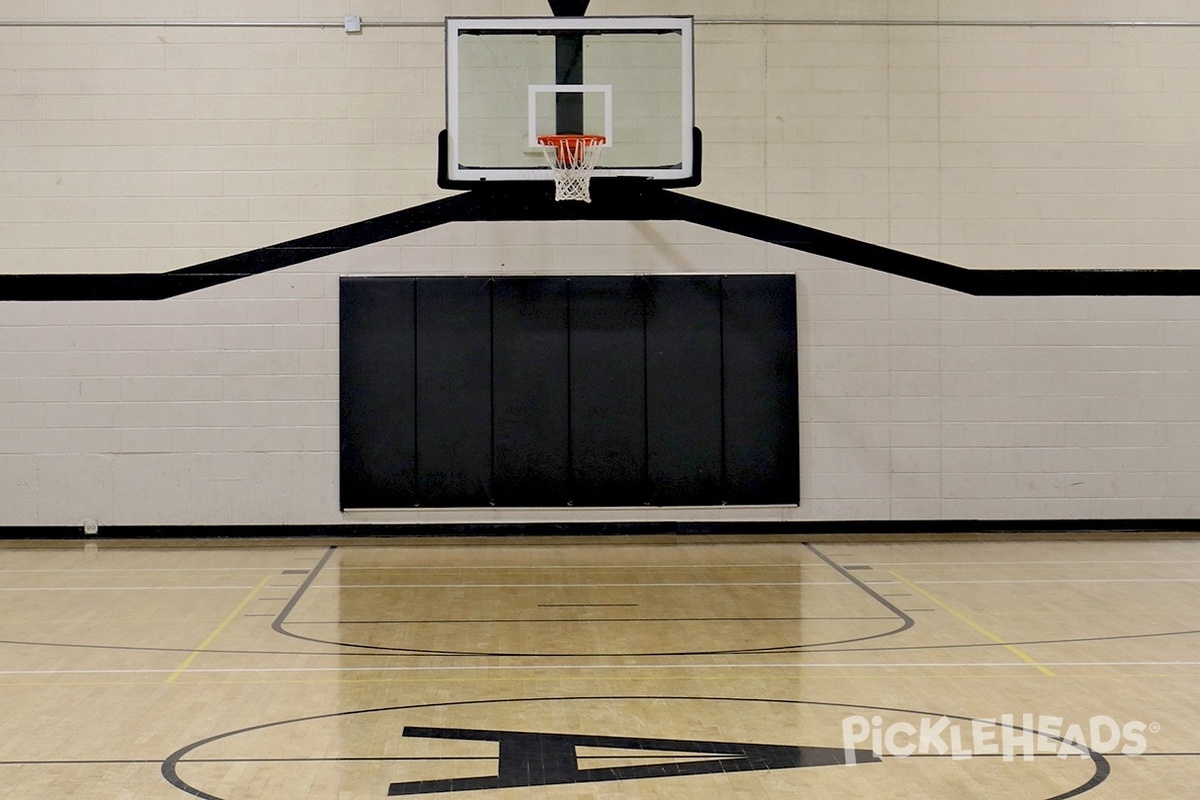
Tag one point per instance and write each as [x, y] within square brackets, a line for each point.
[419, 759]
[825, 647]
[1022, 756]
[339, 654]
[1186, 754]
[281, 622]
[277, 624]
[170, 765]
[906, 621]
[588, 605]
[295, 572]
[59, 762]
[572, 619]
[1030, 643]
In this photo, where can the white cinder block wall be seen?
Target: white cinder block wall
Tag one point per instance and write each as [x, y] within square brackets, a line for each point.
[148, 148]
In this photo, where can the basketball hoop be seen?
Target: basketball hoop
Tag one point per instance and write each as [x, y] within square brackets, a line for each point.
[572, 157]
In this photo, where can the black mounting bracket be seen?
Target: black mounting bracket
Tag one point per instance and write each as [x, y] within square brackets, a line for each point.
[569, 8]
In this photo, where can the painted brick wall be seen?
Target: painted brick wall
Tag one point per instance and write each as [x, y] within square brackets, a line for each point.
[134, 149]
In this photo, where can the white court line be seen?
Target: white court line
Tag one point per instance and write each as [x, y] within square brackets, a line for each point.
[1003, 563]
[341, 586]
[737, 583]
[463, 568]
[582, 585]
[923, 581]
[492, 668]
[87, 570]
[456, 568]
[114, 588]
[683, 585]
[499, 567]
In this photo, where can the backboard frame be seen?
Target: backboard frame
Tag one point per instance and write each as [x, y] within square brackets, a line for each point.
[453, 174]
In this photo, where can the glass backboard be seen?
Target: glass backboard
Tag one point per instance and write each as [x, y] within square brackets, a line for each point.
[511, 80]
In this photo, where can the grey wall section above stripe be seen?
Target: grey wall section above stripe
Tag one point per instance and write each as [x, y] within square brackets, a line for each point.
[612, 199]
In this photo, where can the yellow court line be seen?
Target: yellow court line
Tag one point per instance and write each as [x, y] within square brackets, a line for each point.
[225, 623]
[584, 679]
[1018, 652]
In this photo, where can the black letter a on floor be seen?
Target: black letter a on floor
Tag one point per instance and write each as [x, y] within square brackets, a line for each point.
[544, 759]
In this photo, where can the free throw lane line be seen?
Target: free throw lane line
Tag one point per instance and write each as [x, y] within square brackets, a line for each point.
[187, 662]
[1018, 652]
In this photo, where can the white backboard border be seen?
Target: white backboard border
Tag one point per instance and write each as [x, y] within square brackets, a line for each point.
[453, 173]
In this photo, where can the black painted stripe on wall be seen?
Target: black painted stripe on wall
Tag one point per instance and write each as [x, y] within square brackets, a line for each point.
[611, 200]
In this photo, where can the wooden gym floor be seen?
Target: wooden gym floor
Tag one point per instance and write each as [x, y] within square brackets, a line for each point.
[618, 669]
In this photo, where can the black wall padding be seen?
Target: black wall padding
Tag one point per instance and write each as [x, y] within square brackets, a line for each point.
[683, 390]
[530, 399]
[377, 404]
[759, 355]
[608, 391]
[588, 391]
[453, 386]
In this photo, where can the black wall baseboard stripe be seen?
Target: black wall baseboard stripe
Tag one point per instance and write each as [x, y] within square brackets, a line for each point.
[611, 200]
[1030, 528]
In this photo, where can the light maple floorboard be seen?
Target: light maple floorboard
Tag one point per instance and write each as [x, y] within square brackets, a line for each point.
[600, 669]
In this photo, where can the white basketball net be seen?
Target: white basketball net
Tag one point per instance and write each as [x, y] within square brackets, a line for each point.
[572, 160]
